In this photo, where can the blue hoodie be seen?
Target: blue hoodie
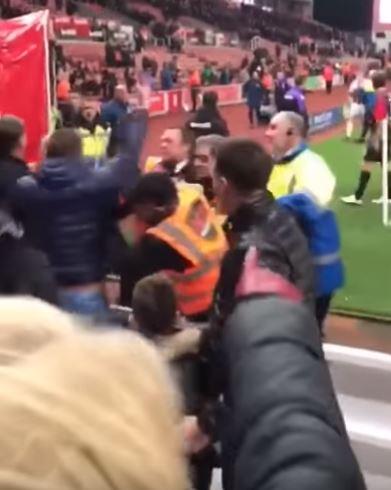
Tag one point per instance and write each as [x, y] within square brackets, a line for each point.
[321, 229]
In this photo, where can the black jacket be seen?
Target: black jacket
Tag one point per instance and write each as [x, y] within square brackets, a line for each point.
[206, 122]
[68, 211]
[285, 427]
[24, 271]
[281, 246]
[11, 169]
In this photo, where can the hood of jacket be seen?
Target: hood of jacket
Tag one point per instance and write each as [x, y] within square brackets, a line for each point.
[61, 173]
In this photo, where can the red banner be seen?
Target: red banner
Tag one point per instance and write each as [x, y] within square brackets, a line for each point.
[24, 80]
[157, 103]
[174, 101]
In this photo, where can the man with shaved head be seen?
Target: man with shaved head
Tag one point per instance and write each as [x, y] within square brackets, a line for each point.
[297, 168]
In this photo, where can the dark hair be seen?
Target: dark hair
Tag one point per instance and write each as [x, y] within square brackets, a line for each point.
[64, 143]
[210, 99]
[154, 305]
[186, 135]
[11, 131]
[245, 164]
[379, 79]
[155, 188]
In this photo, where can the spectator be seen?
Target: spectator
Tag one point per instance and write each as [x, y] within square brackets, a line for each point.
[63, 89]
[194, 84]
[23, 270]
[112, 114]
[225, 76]
[204, 157]
[208, 75]
[297, 168]
[155, 309]
[281, 88]
[176, 148]
[169, 233]
[253, 92]
[135, 444]
[328, 75]
[94, 136]
[70, 111]
[68, 211]
[166, 78]
[241, 176]
[109, 83]
[208, 119]
[294, 100]
[12, 148]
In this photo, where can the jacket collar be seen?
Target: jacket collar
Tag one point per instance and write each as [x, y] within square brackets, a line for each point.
[255, 209]
[293, 153]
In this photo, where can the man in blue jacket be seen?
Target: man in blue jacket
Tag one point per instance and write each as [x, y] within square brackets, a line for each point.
[69, 211]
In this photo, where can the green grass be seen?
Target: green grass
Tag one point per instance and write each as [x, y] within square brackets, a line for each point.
[366, 244]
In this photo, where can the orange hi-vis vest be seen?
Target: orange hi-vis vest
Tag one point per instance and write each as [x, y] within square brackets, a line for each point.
[194, 232]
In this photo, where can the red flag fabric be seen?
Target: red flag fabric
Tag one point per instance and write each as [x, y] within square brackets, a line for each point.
[24, 76]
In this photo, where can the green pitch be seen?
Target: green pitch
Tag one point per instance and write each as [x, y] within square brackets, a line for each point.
[366, 244]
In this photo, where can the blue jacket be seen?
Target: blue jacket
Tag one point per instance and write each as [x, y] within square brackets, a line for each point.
[166, 80]
[321, 229]
[68, 211]
[113, 112]
[253, 92]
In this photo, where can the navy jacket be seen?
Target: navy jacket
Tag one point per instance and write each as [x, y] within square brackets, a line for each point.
[253, 92]
[68, 211]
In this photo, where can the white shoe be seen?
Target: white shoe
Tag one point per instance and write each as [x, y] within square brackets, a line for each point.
[380, 201]
[351, 200]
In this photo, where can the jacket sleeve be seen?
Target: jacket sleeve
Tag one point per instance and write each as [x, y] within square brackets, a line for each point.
[287, 429]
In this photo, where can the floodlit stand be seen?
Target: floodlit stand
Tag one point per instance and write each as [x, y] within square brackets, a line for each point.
[385, 168]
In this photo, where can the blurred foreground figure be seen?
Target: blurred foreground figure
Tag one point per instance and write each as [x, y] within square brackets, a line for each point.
[286, 430]
[85, 411]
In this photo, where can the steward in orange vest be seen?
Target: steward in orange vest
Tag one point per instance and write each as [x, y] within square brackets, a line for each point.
[178, 233]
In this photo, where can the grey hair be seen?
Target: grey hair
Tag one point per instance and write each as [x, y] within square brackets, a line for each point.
[296, 121]
[212, 141]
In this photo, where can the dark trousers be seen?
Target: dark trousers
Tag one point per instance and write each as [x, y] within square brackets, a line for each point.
[194, 91]
[368, 122]
[322, 307]
[329, 86]
[251, 112]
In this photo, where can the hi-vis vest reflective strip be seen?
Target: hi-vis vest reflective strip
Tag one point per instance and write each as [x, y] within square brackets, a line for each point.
[94, 145]
[194, 232]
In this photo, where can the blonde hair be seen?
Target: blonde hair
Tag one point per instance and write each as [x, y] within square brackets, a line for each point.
[89, 411]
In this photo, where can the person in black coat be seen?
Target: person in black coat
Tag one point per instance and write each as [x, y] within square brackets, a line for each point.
[208, 119]
[12, 147]
[242, 172]
[24, 271]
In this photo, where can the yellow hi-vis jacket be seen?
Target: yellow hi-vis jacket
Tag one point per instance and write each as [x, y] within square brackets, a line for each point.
[94, 144]
[151, 164]
[194, 233]
[307, 173]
